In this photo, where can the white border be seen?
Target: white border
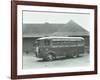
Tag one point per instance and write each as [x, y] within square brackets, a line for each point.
[21, 71]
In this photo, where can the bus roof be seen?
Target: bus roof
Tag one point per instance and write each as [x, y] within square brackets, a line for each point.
[61, 38]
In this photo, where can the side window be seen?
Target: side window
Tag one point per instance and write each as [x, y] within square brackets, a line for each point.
[80, 43]
[68, 43]
[56, 43]
[47, 42]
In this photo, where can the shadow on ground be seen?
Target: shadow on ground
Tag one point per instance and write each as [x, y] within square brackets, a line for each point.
[57, 59]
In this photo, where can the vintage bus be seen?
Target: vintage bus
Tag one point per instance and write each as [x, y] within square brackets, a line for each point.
[50, 48]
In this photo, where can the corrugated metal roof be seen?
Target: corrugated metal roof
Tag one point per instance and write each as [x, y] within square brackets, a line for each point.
[46, 29]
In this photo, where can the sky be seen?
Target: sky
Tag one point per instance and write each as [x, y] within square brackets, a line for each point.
[31, 17]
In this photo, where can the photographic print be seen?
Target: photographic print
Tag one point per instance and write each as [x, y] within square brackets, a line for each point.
[53, 39]
[48, 35]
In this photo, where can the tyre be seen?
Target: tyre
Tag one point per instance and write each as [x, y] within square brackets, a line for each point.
[50, 57]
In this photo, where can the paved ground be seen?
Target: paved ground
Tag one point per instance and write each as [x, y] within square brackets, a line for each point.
[30, 62]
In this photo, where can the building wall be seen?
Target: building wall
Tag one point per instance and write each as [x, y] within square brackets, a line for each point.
[28, 44]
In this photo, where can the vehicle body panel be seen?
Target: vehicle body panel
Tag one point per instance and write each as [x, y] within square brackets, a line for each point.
[68, 49]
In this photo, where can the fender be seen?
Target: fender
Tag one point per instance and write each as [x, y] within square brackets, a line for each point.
[51, 52]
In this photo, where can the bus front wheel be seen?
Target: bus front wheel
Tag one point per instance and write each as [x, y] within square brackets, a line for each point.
[50, 57]
[75, 55]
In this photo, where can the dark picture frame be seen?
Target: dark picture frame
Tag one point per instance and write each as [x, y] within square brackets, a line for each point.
[14, 38]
